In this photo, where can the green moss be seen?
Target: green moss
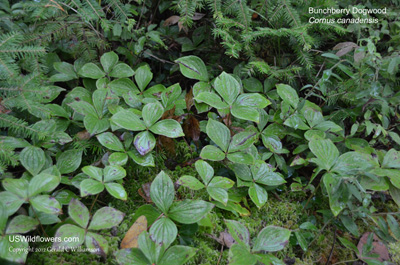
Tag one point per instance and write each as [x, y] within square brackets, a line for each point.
[394, 251]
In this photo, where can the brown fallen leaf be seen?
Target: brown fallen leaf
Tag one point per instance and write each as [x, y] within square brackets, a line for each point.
[378, 248]
[189, 99]
[131, 237]
[224, 239]
[144, 192]
[181, 26]
[191, 128]
[167, 144]
[172, 20]
[198, 16]
[83, 135]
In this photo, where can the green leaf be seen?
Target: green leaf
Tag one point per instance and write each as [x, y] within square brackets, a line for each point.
[149, 248]
[108, 60]
[221, 182]
[245, 113]
[122, 86]
[122, 70]
[193, 67]
[239, 232]
[188, 211]
[83, 107]
[128, 120]
[391, 159]
[228, 87]
[162, 192]
[69, 161]
[242, 172]
[296, 121]
[211, 99]
[392, 174]
[212, 153]
[106, 218]
[308, 226]
[143, 76]
[288, 94]
[43, 183]
[93, 172]
[332, 184]
[95, 125]
[110, 141]
[219, 134]
[242, 141]
[118, 159]
[78, 212]
[312, 113]
[325, 151]
[379, 184]
[11, 202]
[254, 100]
[354, 162]
[205, 171]
[271, 239]
[146, 160]
[239, 255]
[350, 225]
[69, 231]
[144, 142]
[92, 71]
[96, 242]
[241, 158]
[7, 243]
[177, 255]
[163, 232]
[348, 244]
[301, 240]
[46, 204]
[116, 190]
[131, 256]
[152, 112]
[21, 224]
[395, 193]
[190, 182]
[18, 187]
[252, 85]
[170, 128]
[394, 226]
[258, 195]
[66, 70]
[218, 194]
[33, 159]
[263, 174]
[328, 126]
[90, 187]
[3, 217]
[112, 173]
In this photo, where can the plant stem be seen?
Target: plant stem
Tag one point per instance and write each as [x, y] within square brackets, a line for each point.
[94, 201]
[37, 218]
[346, 261]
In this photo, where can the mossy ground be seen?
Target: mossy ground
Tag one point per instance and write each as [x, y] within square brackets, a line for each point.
[284, 208]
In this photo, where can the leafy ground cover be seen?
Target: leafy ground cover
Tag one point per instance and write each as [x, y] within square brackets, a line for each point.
[198, 132]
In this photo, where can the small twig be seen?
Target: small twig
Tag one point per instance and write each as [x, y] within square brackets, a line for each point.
[277, 196]
[220, 255]
[141, 14]
[159, 59]
[333, 247]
